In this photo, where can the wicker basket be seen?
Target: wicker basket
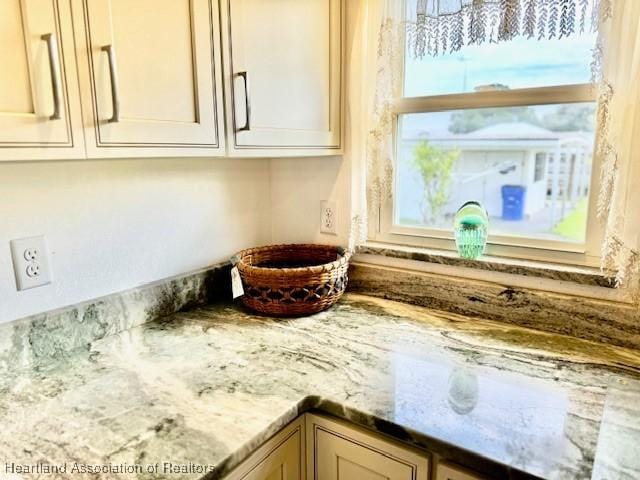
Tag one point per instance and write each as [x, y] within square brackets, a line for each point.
[292, 280]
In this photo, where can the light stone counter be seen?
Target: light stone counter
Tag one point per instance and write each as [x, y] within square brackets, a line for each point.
[205, 387]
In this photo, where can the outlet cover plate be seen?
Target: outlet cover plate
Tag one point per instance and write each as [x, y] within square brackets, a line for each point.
[328, 217]
[30, 262]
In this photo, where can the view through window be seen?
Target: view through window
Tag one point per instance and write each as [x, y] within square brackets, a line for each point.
[529, 164]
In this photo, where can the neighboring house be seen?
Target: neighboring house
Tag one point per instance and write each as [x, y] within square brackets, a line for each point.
[516, 153]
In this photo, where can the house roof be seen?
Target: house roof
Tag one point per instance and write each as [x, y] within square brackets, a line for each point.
[510, 131]
[503, 136]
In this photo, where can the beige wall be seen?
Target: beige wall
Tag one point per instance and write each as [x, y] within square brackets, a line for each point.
[116, 224]
[113, 225]
[298, 186]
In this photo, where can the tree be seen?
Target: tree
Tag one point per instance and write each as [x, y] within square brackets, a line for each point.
[465, 121]
[434, 166]
[565, 118]
[571, 118]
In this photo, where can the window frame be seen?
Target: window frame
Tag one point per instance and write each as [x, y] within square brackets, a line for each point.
[585, 253]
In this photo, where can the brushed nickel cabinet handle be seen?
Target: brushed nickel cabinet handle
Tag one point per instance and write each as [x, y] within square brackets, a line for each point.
[247, 103]
[113, 75]
[54, 67]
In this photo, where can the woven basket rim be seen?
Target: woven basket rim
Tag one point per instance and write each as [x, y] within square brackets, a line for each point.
[344, 259]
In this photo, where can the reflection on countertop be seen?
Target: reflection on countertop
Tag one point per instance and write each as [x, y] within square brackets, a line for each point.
[205, 387]
[453, 401]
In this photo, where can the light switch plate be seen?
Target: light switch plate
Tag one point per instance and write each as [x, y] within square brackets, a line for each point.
[30, 262]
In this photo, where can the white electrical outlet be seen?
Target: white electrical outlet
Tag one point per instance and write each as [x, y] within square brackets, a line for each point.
[30, 262]
[328, 217]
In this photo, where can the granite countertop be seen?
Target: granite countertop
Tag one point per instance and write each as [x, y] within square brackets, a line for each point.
[202, 388]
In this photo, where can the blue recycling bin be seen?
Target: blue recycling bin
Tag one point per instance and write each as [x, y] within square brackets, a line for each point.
[513, 197]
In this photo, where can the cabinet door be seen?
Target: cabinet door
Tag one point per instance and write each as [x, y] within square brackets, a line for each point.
[337, 451]
[151, 83]
[36, 113]
[284, 76]
[281, 458]
[447, 471]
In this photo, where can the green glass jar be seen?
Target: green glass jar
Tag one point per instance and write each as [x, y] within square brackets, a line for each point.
[471, 228]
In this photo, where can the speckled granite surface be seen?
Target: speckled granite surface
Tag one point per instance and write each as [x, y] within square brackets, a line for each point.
[35, 339]
[202, 388]
[589, 318]
[582, 276]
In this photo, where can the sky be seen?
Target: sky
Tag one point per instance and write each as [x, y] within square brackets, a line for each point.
[520, 63]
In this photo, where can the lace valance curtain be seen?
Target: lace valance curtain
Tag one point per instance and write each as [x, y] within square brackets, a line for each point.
[437, 26]
[618, 140]
[433, 27]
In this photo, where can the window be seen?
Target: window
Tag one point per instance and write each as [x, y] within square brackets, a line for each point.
[510, 125]
[539, 168]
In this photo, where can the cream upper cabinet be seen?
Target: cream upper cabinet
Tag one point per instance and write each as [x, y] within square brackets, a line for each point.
[284, 76]
[337, 451]
[150, 77]
[39, 106]
[144, 78]
[281, 458]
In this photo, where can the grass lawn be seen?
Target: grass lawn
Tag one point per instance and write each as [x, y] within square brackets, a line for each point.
[410, 221]
[573, 225]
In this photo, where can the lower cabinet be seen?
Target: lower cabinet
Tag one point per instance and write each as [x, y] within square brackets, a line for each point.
[317, 447]
[338, 451]
[447, 471]
[281, 458]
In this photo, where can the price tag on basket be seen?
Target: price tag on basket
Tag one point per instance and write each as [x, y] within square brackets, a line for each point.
[236, 283]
